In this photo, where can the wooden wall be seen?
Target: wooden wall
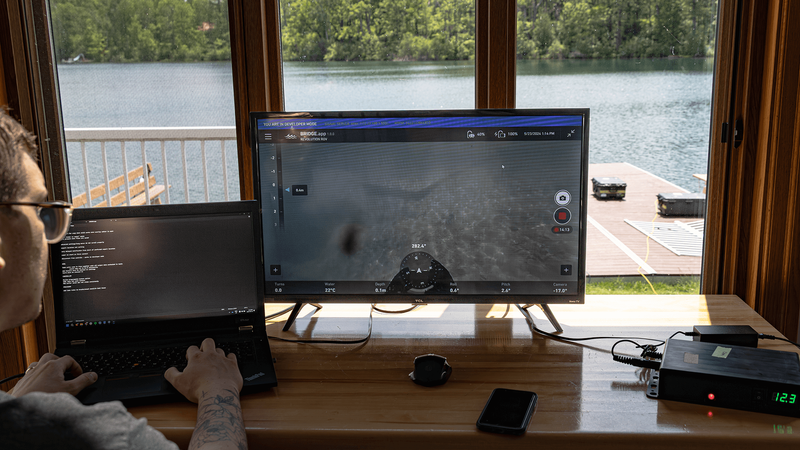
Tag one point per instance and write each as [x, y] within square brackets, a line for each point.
[3, 99]
[23, 345]
[12, 359]
[752, 247]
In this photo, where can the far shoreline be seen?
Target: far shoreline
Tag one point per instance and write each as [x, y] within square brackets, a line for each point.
[402, 60]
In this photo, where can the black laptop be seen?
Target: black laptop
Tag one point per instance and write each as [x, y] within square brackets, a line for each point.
[134, 287]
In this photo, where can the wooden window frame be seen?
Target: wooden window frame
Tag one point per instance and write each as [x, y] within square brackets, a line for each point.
[752, 188]
[751, 243]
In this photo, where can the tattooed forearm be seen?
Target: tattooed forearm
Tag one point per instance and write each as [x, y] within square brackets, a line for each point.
[219, 421]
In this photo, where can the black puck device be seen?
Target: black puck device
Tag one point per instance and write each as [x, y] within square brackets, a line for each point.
[728, 376]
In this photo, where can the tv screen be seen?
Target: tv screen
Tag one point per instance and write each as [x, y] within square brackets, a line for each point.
[473, 206]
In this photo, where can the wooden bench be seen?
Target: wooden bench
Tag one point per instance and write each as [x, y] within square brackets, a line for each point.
[118, 185]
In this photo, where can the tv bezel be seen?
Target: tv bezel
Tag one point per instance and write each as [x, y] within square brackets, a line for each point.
[386, 298]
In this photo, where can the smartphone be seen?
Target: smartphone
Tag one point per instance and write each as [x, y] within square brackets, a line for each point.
[508, 411]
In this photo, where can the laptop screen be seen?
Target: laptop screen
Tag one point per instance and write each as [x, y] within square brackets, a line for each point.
[442, 206]
[157, 263]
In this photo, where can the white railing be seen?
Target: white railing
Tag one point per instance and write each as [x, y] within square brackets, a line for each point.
[142, 136]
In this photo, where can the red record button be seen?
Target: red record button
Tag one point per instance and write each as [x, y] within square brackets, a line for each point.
[562, 216]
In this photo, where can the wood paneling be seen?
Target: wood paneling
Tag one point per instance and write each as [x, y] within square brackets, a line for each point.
[775, 247]
[15, 63]
[751, 244]
[3, 98]
[12, 359]
[22, 345]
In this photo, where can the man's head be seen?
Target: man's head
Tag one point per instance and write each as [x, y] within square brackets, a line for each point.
[23, 247]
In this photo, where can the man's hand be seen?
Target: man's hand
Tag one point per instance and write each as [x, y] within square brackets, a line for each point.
[213, 381]
[47, 375]
[207, 369]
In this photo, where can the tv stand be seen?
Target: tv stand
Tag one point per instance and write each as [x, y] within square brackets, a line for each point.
[544, 307]
[547, 312]
[295, 312]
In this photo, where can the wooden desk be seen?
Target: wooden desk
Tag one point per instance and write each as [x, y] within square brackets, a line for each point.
[335, 396]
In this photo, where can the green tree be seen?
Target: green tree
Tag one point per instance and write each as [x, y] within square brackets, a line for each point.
[79, 28]
[543, 33]
[350, 30]
[669, 29]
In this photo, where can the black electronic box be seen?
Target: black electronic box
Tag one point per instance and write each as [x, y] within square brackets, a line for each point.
[682, 204]
[608, 188]
[728, 376]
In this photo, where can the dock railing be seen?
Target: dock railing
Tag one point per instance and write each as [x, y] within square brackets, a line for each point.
[142, 136]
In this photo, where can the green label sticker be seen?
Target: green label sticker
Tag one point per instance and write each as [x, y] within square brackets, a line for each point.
[721, 352]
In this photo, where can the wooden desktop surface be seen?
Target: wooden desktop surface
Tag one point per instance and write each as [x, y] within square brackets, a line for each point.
[360, 396]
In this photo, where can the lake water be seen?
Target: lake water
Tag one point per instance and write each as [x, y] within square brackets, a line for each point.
[654, 114]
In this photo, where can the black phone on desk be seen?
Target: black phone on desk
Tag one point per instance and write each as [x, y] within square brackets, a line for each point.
[507, 411]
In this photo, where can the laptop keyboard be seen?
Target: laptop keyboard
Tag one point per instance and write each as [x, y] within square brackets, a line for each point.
[161, 358]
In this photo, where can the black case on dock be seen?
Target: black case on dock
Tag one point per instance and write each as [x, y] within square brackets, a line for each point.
[608, 188]
[682, 204]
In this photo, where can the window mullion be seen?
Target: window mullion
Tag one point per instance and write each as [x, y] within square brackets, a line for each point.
[495, 53]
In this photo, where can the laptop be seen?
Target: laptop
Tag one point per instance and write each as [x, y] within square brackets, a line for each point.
[134, 287]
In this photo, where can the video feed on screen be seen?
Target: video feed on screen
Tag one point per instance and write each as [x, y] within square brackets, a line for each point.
[453, 211]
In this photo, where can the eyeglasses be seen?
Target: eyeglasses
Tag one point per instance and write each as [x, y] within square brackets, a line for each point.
[56, 217]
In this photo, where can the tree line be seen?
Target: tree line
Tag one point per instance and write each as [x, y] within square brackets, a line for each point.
[383, 30]
[141, 30]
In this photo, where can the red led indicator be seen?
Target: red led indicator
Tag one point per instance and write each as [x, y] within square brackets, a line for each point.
[711, 396]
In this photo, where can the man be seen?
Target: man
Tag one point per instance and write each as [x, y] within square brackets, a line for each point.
[41, 410]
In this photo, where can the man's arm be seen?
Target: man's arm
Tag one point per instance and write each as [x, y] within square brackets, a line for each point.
[219, 421]
[213, 381]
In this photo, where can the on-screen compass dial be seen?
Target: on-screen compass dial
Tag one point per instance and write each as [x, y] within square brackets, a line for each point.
[422, 272]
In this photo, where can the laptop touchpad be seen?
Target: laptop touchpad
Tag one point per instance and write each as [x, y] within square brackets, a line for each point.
[133, 386]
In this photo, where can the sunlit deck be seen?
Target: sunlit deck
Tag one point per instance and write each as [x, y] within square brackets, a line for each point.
[614, 247]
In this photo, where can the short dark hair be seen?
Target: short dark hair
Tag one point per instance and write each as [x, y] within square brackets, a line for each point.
[15, 143]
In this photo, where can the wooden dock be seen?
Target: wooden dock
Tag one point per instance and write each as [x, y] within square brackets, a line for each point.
[615, 248]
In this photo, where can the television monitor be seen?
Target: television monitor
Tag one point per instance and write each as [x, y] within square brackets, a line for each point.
[471, 206]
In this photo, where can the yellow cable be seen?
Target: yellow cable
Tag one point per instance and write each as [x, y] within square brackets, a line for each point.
[639, 269]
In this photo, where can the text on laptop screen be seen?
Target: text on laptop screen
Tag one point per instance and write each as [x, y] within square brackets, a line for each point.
[128, 269]
[447, 206]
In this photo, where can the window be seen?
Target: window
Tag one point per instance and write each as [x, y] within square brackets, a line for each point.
[150, 80]
[378, 55]
[160, 71]
[734, 199]
[645, 69]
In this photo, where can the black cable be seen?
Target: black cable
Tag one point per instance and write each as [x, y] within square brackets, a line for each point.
[533, 328]
[329, 341]
[401, 311]
[648, 350]
[638, 362]
[769, 336]
[6, 380]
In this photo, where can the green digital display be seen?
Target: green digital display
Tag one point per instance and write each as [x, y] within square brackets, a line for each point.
[784, 397]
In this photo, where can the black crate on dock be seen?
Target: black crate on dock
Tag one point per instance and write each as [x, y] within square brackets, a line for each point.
[608, 188]
[682, 204]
